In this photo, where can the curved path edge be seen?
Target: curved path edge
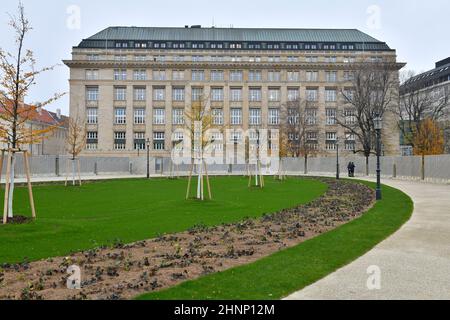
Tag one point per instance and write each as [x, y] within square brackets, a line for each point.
[414, 263]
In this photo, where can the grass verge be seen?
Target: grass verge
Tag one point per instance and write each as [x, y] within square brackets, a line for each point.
[287, 271]
[72, 219]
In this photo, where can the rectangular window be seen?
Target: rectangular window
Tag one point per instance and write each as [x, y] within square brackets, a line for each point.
[350, 116]
[274, 76]
[119, 140]
[236, 116]
[236, 94]
[312, 76]
[255, 116]
[348, 95]
[93, 57]
[177, 116]
[159, 141]
[159, 116]
[217, 75]
[91, 140]
[92, 74]
[350, 141]
[293, 76]
[92, 93]
[92, 115]
[274, 95]
[120, 74]
[139, 141]
[120, 116]
[349, 75]
[293, 94]
[140, 75]
[140, 94]
[331, 76]
[274, 59]
[217, 94]
[255, 94]
[255, 76]
[178, 75]
[311, 117]
[330, 114]
[311, 59]
[293, 116]
[198, 75]
[330, 95]
[274, 116]
[197, 94]
[178, 58]
[120, 57]
[312, 95]
[120, 93]
[159, 75]
[139, 116]
[331, 141]
[178, 94]
[197, 59]
[236, 76]
[217, 115]
[140, 57]
[159, 94]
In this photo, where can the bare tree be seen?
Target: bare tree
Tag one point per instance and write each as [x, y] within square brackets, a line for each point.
[298, 131]
[75, 142]
[371, 93]
[418, 103]
[17, 76]
[198, 121]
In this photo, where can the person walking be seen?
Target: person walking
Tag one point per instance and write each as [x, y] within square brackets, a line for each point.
[352, 169]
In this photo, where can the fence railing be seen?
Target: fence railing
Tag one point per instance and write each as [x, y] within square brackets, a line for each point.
[437, 168]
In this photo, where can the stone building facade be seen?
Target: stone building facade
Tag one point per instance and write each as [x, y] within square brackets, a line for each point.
[133, 84]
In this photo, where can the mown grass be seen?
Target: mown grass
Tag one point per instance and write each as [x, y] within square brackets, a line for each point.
[287, 271]
[72, 219]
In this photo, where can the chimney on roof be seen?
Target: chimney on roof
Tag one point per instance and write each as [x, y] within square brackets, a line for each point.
[58, 113]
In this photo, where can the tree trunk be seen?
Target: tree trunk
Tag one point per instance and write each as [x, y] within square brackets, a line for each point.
[11, 189]
[422, 169]
[367, 165]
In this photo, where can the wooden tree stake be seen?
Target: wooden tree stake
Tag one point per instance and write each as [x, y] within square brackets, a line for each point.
[30, 189]
[8, 172]
[189, 181]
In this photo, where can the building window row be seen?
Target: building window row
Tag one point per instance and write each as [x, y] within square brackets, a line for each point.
[233, 45]
[219, 75]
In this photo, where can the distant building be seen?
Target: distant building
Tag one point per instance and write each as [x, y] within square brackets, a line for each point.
[55, 142]
[131, 84]
[438, 80]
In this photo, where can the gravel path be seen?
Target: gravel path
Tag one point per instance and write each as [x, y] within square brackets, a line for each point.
[414, 263]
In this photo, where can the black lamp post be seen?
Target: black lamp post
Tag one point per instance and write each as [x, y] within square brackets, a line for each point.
[337, 160]
[148, 158]
[378, 124]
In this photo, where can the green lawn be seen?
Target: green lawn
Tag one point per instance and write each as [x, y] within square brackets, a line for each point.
[79, 218]
[287, 271]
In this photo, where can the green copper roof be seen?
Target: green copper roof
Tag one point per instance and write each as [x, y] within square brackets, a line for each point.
[233, 34]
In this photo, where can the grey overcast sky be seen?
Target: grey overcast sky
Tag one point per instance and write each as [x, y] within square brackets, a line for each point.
[416, 29]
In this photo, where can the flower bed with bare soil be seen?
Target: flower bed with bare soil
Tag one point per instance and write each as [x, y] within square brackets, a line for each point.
[125, 271]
